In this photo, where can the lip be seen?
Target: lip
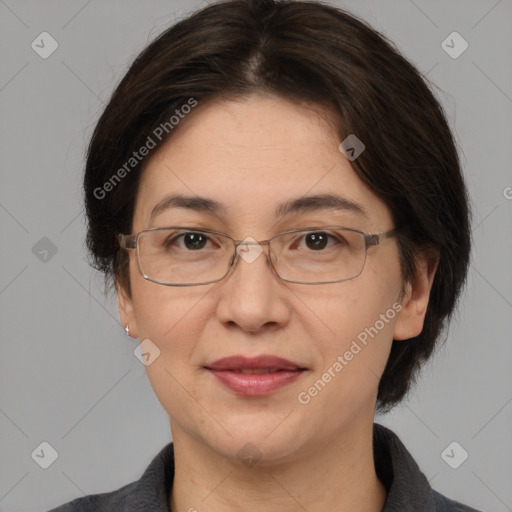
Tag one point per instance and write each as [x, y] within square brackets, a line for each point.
[227, 371]
[249, 363]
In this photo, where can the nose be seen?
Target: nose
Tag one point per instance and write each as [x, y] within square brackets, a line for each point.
[252, 295]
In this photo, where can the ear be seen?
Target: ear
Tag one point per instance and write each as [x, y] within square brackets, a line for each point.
[410, 320]
[126, 310]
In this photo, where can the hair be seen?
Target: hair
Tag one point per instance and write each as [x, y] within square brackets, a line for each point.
[315, 54]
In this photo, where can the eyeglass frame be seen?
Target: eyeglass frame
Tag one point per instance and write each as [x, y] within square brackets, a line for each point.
[130, 242]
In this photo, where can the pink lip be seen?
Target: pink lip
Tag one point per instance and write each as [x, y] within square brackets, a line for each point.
[247, 363]
[227, 371]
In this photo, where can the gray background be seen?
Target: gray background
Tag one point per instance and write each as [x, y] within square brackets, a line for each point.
[68, 375]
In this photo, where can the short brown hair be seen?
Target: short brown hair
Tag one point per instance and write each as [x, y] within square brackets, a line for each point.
[310, 52]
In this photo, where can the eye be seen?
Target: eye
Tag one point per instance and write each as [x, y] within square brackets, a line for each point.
[319, 240]
[190, 240]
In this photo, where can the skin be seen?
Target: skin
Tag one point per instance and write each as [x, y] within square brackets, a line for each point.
[251, 155]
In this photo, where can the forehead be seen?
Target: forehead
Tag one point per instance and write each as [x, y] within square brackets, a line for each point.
[251, 156]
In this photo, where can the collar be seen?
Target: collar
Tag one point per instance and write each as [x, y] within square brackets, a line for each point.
[407, 487]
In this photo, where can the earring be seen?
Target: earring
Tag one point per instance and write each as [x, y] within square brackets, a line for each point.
[127, 329]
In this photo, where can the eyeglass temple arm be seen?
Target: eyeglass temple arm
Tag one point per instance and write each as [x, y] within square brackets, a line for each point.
[127, 241]
[378, 237]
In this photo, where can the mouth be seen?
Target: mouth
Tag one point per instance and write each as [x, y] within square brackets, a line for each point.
[255, 370]
[256, 376]
[260, 364]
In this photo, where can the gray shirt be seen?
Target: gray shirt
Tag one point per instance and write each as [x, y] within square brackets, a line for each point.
[407, 488]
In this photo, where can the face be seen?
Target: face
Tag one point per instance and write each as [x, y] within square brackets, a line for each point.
[251, 156]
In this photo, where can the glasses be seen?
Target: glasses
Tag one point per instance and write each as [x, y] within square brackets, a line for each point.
[180, 256]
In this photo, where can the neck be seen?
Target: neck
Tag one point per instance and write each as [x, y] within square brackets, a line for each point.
[338, 476]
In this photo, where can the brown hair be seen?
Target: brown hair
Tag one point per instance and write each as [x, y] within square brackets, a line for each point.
[306, 52]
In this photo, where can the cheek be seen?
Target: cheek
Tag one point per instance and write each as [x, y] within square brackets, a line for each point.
[162, 312]
[348, 309]
[352, 361]
[359, 317]
[173, 319]
[363, 331]
[170, 316]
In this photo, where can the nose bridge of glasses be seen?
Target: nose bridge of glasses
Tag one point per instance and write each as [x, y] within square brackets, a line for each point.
[249, 250]
[249, 242]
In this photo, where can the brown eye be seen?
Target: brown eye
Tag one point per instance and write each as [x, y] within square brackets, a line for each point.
[191, 241]
[317, 240]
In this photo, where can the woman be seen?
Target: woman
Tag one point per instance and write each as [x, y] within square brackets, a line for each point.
[276, 196]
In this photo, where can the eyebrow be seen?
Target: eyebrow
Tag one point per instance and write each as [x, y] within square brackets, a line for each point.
[298, 205]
